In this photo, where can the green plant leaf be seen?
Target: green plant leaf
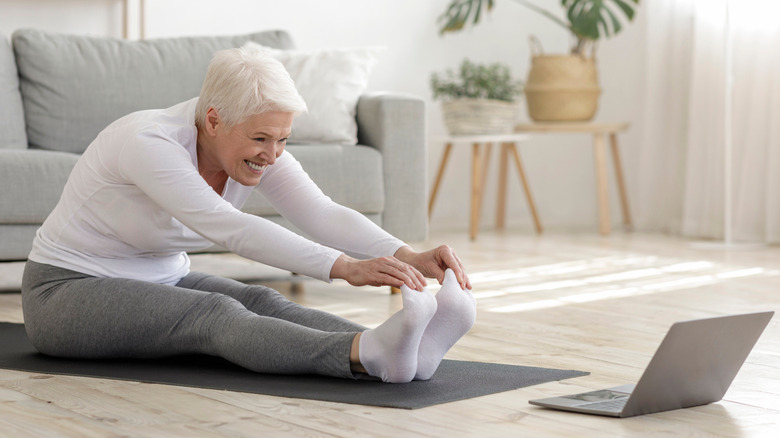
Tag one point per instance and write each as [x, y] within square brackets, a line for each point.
[459, 12]
[593, 19]
[471, 8]
[588, 20]
[476, 81]
[626, 8]
[616, 26]
[488, 6]
[585, 17]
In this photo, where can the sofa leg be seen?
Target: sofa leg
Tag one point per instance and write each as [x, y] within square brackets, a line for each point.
[296, 285]
[394, 290]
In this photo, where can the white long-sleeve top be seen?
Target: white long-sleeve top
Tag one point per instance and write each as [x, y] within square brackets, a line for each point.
[135, 204]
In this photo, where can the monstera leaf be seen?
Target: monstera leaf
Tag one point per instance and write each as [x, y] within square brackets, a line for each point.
[593, 19]
[587, 20]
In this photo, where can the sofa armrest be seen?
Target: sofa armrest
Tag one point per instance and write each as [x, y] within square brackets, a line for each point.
[394, 123]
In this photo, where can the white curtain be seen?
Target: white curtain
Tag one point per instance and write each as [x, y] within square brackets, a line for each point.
[682, 183]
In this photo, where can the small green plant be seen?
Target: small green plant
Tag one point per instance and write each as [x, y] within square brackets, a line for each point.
[476, 81]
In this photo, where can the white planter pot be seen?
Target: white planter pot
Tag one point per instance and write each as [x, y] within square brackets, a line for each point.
[479, 116]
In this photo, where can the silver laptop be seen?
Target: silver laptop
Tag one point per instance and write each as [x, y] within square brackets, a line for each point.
[694, 365]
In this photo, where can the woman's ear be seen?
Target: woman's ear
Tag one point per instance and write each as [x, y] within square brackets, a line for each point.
[212, 121]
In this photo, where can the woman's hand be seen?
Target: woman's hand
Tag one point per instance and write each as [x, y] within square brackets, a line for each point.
[382, 271]
[433, 263]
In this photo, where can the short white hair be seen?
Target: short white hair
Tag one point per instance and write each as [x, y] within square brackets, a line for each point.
[244, 82]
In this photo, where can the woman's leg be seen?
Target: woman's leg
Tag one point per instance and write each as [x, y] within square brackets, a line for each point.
[265, 301]
[389, 352]
[74, 315]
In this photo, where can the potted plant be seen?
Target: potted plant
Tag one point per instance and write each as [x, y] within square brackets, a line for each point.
[559, 87]
[478, 98]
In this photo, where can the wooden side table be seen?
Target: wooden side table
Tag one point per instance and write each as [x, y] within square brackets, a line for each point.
[599, 131]
[481, 146]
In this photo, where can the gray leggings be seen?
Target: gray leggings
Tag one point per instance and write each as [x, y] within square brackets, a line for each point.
[70, 314]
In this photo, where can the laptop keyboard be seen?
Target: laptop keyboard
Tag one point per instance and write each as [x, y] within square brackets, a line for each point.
[607, 405]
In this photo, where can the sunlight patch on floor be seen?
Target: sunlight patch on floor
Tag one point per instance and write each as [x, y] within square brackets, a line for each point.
[671, 275]
[562, 268]
[642, 273]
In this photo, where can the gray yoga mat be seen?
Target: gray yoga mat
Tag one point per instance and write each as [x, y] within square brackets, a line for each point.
[454, 380]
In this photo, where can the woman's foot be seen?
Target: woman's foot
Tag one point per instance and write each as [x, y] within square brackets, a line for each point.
[390, 350]
[455, 315]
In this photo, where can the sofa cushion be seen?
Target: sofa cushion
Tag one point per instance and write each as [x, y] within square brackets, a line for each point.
[330, 81]
[33, 182]
[73, 86]
[12, 132]
[17, 241]
[350, 175]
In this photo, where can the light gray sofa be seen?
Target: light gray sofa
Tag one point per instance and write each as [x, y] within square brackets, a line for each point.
[58, 91]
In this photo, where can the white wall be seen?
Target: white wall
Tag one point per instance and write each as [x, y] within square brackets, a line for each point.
[70, 16]
[560, 167]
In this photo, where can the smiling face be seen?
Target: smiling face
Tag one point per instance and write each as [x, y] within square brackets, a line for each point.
[243, 151]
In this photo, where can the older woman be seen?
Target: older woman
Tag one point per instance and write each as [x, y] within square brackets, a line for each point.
[109, 275]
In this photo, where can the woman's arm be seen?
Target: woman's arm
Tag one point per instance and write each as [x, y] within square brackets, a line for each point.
[294, 195]
[164, 171]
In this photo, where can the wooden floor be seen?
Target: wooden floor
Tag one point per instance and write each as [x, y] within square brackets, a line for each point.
[566, 301]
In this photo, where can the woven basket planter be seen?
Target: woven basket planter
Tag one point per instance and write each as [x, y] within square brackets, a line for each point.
[479, 116]
[562, 88]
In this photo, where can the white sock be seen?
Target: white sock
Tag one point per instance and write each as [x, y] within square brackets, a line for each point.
[455, 315]
[390, 350]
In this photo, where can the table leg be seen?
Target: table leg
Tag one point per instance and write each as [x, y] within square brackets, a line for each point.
[439, 175]
[502, 177]
[475, 179]
[526, 188]
[600, 155]
[620, 182]
[484, 173]
[125, 20]
[478, 177]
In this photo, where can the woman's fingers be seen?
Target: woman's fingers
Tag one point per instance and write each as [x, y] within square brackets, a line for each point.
[448, 259]
[382, 271]
[434, 262]
[399, 270]
[417, 276]
[392, 271]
